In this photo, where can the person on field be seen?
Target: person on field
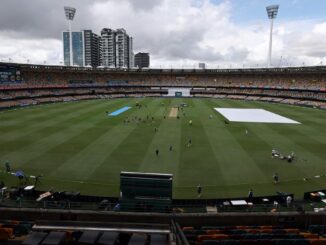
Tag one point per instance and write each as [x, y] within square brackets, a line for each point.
[199, 190]
[190, 122]
[274, 153]
[8, 168]
[189, 142]
[157, 152]
[288, 201]
[250, 195]
[170, 148]
[275, 178]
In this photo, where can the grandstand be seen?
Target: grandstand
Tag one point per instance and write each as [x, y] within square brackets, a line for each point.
[47, 84]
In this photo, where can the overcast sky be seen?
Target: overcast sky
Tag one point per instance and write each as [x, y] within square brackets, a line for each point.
[178, 33]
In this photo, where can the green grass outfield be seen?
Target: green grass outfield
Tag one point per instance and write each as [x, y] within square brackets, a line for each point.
[77, 147]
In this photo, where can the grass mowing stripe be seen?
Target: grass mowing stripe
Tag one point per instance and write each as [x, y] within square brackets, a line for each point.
[79, 136]
[160, 140]
[20, 141]
[243, 159]
[40, 113]
[211, 132]
[43, 141]
[92, 161]
[52, 118]
[129, 153]
[191, 158]
[282, 167]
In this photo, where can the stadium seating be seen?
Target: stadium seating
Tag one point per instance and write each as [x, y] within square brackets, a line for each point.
[42, 84]
[254, 235]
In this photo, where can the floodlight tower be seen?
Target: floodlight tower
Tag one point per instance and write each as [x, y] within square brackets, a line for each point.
[272, 11]
[70, 14]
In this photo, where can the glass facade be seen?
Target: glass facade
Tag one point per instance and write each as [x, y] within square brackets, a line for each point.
[77, 47]
[66, 49]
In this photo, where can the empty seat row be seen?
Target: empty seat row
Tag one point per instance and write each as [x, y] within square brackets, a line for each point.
[94, 237]
[253, 235]
[245, 231]
[267, 242]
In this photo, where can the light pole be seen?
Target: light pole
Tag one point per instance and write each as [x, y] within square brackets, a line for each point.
[272, 13]
[70, 14]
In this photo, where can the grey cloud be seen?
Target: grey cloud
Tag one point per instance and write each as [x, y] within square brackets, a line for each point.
[144, 5]
[313, 48]
[46, 19]
[174, 44]
[236, 54]
[312, 45]
[41, 18]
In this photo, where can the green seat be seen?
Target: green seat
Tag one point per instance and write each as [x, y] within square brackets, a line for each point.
[284, 242]
[251, 236]
[231, 242]
[237, 232]
[211, 242]
[22, 229]
[319, 229]
[266, 236]
[300, 242]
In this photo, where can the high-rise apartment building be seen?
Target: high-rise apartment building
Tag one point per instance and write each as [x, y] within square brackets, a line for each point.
[112, 49]
[85, 48]
[92, 49]
[142, 60]
[108, 47]
[116, 48]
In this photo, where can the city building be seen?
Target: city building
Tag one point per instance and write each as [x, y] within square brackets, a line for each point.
[92, 49]
[131, 53]
[85, 48]
[142, 60]
[108, 47]
[116, 48]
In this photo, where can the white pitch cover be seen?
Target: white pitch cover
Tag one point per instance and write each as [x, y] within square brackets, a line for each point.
[253, 115]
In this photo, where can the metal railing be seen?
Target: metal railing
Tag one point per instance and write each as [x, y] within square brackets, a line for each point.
[184, 208]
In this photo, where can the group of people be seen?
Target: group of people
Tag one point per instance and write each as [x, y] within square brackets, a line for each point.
[138, 119]
[277, 154]
[157, 151]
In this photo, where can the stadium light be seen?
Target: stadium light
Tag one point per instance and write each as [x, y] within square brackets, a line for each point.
[272, 11]
[70, 14]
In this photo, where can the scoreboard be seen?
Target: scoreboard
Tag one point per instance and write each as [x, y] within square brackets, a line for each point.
[178, 94]
[10, 73]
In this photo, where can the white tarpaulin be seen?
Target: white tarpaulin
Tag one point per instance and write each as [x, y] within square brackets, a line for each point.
[253, 115]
